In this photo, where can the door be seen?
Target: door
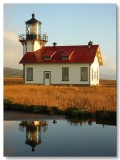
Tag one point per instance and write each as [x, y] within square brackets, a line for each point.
[47, 77]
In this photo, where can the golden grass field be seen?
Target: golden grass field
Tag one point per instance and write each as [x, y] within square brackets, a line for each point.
[93, 98]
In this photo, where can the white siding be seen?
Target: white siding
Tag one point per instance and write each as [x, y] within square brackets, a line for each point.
[36, 45]
[56, 73]
[29, 46]
[95, 67]
[24, 48]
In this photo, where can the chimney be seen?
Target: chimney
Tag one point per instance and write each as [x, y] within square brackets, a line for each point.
[90, 44]
[54, 44]
[33, 15]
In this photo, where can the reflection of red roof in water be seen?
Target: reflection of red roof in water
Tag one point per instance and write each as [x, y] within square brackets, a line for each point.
[76, 54]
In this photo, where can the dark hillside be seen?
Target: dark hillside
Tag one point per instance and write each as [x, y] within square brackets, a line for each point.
[12, 72]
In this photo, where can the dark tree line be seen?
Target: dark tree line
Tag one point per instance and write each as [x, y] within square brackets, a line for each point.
[9, 72]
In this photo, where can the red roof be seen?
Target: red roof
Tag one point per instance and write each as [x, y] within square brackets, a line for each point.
[49, 53]
[67, 52]
[77, 54]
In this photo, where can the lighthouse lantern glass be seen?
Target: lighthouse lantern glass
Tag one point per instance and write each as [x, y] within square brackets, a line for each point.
[33, 29]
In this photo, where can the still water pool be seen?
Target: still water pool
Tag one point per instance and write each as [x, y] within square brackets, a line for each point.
[61, 138]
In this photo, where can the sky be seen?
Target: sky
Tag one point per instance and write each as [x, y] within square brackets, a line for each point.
[66, 24]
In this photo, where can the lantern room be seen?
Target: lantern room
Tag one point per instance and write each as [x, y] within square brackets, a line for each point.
[33, 39]
[33, 28]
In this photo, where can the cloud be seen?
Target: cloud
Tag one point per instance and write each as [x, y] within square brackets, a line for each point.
[10, 37]
[109, 62]
[12, 50]
[108, 70]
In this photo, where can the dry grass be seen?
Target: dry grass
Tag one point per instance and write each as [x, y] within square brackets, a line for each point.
[108, 83]
[89, 98]
[13, 80]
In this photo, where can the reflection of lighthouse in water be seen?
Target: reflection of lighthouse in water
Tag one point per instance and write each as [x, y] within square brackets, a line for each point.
[33, 131]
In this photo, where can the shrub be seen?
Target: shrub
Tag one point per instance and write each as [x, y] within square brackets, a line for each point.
[8, 103]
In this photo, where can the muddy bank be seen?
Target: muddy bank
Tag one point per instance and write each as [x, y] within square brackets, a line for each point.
[16, 115]
[46, 112]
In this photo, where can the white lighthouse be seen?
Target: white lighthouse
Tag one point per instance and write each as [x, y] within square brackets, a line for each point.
[33, 39]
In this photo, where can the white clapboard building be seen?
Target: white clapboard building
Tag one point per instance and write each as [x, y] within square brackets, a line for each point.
[57, 65]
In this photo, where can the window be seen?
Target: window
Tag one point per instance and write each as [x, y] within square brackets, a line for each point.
[65, 58]
[84, 73]
[47, 58]
[29, 74]
[65, 74]
[46, 75]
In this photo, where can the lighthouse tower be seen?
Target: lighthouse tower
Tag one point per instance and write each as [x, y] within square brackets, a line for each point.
[33, 39]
